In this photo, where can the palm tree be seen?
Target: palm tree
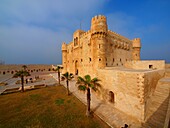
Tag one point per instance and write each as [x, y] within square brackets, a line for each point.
[84, 84]
[58, 71]
[24, 67]
[21, 74]
[68, 76]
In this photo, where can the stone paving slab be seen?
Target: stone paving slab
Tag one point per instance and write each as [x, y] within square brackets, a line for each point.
[113, 117]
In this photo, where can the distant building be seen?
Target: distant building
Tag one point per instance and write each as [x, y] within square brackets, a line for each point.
[129, 84]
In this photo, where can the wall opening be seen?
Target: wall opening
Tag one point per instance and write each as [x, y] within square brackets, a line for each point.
[76, 68]
[99, 59]
[150, 66]
[89, 59]
[112, 97]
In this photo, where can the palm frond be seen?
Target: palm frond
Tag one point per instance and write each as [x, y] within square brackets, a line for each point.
[80, 80]
[87, 78]
[82, 87]
[68, 75]
[65, 75]
[57, 68]
[21, 73]
[95, 79]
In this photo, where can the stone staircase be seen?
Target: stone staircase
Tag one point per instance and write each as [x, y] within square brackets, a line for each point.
[158, 107]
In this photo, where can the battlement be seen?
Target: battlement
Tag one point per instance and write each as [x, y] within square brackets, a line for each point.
[64, 46]
[118, 35]
[86, 33]
[99, 17]
[136, 42]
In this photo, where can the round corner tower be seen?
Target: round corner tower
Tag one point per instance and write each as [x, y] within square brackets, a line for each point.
[64, 57]
[99, 24]
[136, 49]
[99, 30]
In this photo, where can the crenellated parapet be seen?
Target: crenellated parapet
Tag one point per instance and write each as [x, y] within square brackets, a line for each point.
[99, 24]
[86, 33]
[98, 17]
[118, 36]
[136, 43]
[64, 46]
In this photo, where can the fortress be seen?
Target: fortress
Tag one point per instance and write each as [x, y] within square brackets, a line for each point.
[138, 88]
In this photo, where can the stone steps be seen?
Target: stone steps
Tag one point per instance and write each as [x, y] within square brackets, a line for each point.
[156, 114]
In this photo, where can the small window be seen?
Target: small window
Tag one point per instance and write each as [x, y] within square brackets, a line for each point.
[99, 45]
[106, 64]
[89, 59]
[113, 59]
[106, 59]
[117, 64]
[81, 60]
[150, 66]
[136, 54]
[120, 60]
[99, 59]
[126, 59]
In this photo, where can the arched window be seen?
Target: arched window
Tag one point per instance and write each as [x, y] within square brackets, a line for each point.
[112, 97]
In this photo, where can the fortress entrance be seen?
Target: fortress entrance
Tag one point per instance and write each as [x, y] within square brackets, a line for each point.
[112, 97]
[76, 67]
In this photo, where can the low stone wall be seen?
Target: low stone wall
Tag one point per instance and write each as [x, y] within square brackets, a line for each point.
[167, 66]
[158, 64]
[11, 69]
[150, 82]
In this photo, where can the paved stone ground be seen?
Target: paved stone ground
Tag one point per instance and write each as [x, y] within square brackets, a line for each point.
[47, 80]
[113, 117]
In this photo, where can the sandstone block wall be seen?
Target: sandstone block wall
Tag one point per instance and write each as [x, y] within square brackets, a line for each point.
[124, 85]
[131, 89]
[159, 64]
[150, 83]
[10, 69]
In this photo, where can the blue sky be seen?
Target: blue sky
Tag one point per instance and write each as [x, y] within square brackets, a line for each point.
[32, 31]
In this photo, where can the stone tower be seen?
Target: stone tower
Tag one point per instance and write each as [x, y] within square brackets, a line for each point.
[98, 40]
[64, 56]
[136, 49]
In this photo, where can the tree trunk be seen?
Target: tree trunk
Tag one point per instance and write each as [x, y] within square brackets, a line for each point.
[22, 83]
[88, 102]
[59, 77]
[68, 93]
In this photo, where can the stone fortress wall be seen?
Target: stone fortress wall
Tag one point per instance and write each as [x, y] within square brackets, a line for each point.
[98, 48]
[128, 83]
[10, 69]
